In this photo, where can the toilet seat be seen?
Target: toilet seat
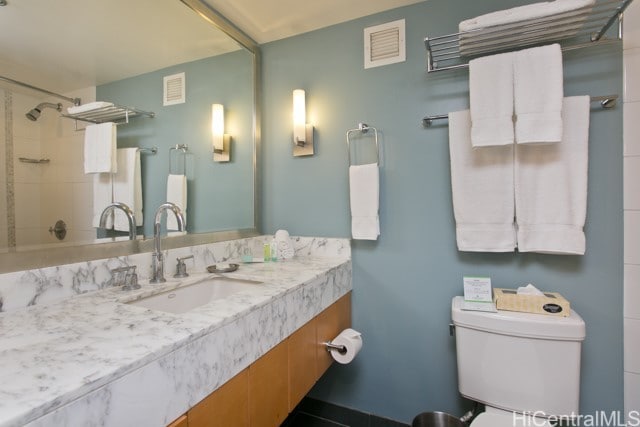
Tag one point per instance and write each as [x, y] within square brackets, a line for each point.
[506, 419]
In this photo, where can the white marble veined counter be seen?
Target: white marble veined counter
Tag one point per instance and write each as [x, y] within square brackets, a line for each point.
[91, 360]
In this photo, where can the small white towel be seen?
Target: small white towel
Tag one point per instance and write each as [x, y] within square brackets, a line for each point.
[100, 144]
[491, 100]
[538, 93]
[176, 193]
[524, 13]
[364, 190]
[482, 190]
[127, 187]
[102, 197]
[551, 187]
[77, 109]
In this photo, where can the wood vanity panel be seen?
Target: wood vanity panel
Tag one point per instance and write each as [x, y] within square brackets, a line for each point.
[180, 422]
[227, 406]
[269, 388]
[302, 362]
[333, 320]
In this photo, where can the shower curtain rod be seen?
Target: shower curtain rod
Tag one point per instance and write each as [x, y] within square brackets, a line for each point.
[75, 101]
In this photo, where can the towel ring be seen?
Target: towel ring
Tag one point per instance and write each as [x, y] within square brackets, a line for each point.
[363, 128]
[183, 148]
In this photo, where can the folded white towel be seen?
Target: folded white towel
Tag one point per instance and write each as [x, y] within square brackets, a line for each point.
[524, 13]
[551, 187]
[538, 93]
[482, 190]
[364, 190]
[102, 197]
[100, 144]
[127, 187]
[491, 100]
[176, 193]
[76, 109]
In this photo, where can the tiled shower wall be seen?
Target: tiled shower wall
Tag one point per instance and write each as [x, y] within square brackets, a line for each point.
[631, 59]
[35, 196]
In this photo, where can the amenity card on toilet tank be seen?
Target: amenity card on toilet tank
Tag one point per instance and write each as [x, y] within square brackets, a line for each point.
[477, 294]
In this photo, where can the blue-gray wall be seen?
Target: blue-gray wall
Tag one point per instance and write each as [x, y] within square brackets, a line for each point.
[220, 195]
[404, 282]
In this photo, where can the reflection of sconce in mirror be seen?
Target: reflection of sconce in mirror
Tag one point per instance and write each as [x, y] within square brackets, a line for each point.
[221, 140]
[302, 132]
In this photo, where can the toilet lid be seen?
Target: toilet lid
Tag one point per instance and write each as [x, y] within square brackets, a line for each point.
[492, 419]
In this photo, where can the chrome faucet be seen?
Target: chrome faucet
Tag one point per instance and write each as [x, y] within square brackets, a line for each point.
[157, 259]
[127, 211]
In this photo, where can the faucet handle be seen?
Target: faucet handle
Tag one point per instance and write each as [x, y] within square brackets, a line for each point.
[181, 268]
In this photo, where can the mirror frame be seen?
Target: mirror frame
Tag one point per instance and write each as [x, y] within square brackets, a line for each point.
[15, 260]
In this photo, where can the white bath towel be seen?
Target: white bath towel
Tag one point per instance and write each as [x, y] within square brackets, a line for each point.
[524, 13]
[482, 190]
[100, 144]
[127, 187]
[90, 106]
[364, 192]
[491, 100]
[551, 187]
[176, 193]
[102, 197]
[538, 93]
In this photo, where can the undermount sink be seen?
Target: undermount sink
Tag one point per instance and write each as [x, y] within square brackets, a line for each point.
[184, 299]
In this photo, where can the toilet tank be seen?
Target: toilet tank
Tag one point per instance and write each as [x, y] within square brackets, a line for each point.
[519, 361]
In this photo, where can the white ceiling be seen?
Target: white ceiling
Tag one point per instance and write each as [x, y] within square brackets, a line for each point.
[269, 20]
[63, 45]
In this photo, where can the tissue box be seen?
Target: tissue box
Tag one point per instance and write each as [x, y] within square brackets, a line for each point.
[552, 303]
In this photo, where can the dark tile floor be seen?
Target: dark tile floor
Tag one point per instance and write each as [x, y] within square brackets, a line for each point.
[315, 413]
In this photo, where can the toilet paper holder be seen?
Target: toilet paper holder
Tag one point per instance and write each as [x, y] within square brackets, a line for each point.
[339, 348]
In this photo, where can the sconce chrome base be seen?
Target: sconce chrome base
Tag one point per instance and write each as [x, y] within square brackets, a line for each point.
[304, 148]
[223, 155]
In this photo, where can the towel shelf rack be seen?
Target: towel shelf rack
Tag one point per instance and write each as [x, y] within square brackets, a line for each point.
[571, 30]
[116, 113]
[605, 101]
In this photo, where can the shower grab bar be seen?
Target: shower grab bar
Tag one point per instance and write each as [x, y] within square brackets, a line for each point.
[30, 160]
[74, 101]
[606, 102]
[363, 128]
[183, 148]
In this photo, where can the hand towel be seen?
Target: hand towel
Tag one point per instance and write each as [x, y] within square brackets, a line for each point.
[102, 197]
[551, 187]
[127, 187]
[176, 193]
[364, 190]
[538, 93]
[100, 148]
[491, 100]
[482, 190]
[524, 13]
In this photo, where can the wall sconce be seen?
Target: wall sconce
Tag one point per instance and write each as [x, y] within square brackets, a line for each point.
[221, 140]
[302, 132]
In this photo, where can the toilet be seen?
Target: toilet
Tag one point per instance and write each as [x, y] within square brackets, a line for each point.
[519, 365]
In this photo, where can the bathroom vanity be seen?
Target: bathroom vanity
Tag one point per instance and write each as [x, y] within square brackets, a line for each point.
[97, 359]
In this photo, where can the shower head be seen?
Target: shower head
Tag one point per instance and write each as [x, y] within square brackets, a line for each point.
[35, 113]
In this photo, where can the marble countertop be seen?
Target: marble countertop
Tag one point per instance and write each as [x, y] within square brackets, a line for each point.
[52, 355]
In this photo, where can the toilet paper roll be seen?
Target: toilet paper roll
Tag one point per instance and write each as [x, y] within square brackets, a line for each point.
[352, 342]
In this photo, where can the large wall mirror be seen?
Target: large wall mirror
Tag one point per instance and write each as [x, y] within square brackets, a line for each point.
[121, 52]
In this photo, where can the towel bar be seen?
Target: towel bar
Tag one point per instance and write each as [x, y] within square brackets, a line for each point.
[606, 102]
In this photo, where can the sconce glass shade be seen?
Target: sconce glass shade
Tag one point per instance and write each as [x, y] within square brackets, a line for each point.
[217, 127]
[299, 116]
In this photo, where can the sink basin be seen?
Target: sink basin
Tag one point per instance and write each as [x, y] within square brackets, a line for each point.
[184, 299]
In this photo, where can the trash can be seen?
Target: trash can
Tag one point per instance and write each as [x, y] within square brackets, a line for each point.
[437, 419]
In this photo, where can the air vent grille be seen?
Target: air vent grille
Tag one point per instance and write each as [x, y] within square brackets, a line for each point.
[174, 89]
[384, 44]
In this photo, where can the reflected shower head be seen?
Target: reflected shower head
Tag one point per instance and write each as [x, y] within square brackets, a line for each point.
[35, 113]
